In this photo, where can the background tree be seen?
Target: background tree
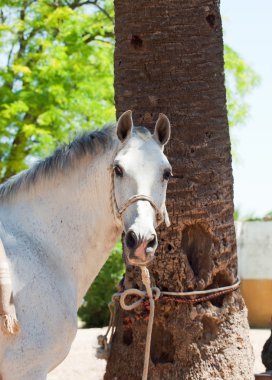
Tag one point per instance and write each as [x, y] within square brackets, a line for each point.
[240, 79]
[169, 58]
[56, 75]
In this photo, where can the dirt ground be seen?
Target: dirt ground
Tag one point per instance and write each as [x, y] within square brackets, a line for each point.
[81, 363]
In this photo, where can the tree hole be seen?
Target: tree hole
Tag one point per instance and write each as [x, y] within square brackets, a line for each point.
[169, 247]
[211, 20]
[217, 301]
[221, 279]
[128, 336]
[136, 42]
[162, 346]
[196, 244]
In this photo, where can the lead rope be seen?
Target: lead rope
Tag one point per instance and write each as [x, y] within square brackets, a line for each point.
[104, 349]
[146, 282]
[152, 294]
[149, 293]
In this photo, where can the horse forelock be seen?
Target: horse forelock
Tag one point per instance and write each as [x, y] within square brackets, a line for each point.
[65, 157]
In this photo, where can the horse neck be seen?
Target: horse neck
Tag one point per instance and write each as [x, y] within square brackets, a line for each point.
[71, 217]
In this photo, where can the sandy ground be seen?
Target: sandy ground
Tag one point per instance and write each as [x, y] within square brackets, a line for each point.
[81, 363]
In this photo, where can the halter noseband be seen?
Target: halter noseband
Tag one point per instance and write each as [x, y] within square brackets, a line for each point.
[118, 211]
[141, 197]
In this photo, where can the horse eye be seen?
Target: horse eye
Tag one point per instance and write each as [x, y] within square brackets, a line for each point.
[118, 171]
[167, 174]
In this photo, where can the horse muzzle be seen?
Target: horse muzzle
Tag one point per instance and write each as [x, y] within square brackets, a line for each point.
[140, 250]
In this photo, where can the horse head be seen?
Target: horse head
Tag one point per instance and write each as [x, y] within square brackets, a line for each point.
[140, 175]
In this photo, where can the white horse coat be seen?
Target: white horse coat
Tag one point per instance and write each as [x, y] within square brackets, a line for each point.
[58, 226]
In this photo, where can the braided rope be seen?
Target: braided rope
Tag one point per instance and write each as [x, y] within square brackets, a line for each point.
[146, 282]
[175, 296]
[141, 197]
[113, 202]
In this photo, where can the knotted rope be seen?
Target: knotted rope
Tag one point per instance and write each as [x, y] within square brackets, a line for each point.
[104, 349]
[142, 294]
[153, 294]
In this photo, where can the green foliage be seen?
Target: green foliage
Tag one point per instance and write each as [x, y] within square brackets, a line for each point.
[240, 79]
[236, 215]
[252, 218]
[268, 217]
[57, 76]
[94, 311]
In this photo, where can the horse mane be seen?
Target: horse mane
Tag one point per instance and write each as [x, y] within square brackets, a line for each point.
[65, 157]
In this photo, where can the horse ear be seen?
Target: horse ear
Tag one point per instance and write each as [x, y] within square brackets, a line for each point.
[124, 125]
[162, 130]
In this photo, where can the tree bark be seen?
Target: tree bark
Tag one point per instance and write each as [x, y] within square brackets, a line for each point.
[169, 58]
[18, 151]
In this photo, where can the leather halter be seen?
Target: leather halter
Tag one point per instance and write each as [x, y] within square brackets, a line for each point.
[118, 211]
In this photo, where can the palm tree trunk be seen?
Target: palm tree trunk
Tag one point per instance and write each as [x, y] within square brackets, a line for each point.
[169, 58]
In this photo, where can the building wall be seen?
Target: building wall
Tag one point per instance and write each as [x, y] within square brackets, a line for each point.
[254, 241]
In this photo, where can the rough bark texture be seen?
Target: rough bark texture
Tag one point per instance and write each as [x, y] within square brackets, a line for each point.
[169, 58]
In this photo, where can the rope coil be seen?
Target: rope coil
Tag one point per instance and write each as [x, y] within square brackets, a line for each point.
[151, 295]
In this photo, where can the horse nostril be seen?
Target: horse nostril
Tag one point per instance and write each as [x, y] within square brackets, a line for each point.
[131, 240]
[152, 242]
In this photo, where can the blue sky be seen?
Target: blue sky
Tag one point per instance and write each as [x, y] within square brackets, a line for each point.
[248, 30]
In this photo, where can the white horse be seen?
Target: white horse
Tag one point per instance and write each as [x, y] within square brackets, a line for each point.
[59, 221]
